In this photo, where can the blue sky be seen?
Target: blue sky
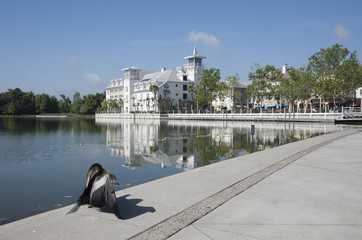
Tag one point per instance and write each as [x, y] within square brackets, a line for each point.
[60, 47]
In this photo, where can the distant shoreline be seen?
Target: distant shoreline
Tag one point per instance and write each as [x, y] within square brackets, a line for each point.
[49, 115]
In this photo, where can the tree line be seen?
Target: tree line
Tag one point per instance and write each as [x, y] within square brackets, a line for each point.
[17, 102]
[332, 74]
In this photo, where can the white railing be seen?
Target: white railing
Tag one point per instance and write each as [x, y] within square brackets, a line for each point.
[351, 113]
[302, 117]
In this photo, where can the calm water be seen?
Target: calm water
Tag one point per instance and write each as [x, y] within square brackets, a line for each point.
[43, 162]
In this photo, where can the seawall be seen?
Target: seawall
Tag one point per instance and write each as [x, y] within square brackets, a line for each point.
[281, 117]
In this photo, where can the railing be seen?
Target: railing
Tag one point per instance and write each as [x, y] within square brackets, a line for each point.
[351, 113]
[293, 117]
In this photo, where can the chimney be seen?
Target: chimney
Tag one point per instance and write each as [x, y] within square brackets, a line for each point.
[284, 68]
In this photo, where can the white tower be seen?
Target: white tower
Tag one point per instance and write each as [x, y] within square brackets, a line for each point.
[193, 69]
[131, 75]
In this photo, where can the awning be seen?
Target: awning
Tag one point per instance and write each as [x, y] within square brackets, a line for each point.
[256, 105]
[270, 105]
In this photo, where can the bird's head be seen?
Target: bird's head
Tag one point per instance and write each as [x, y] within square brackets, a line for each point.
[96, 167]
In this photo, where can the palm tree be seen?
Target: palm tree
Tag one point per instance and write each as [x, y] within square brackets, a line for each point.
[148, 104]
[154, 89]
[193, 91]
[120, 104]
[104, 105]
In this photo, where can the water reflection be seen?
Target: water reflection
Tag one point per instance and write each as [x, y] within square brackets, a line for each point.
[190, 144]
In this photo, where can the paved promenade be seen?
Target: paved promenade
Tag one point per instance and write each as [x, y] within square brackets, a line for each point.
[309, 189]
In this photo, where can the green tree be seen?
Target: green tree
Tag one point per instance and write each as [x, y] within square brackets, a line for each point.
[42, 102]
[263, 80]
[222, 91]
[91, 103]
[3, 103]
[336, 73]
[294, 87]
[193, 91]
[14, 101]
[100, 97]
[154, 90]
[164, 104]
[28, 103]
[104, 105]
[208, 87]
[64, 104]
[113, 104]
[232, 83]
[77, 103]
[53, 105]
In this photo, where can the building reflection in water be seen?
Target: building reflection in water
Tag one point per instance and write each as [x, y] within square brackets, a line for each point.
[190, 144]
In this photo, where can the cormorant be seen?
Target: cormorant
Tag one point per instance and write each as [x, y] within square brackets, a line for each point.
[99, 190]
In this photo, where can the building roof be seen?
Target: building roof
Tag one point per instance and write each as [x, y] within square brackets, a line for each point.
[161, 76]
[130, 68]
[195, 55]
[286, 74]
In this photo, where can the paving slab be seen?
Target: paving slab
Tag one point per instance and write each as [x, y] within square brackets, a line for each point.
[146, 206]
[316, 197]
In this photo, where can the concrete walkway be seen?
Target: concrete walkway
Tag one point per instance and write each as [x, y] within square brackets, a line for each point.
[309, 189]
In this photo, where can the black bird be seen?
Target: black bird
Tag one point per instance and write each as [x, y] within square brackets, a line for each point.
[99, 190]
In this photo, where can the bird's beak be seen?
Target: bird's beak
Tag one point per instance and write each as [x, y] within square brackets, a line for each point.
[88, 177]
[87, 182]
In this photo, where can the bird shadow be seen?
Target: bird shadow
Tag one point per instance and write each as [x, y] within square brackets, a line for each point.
[129, 209]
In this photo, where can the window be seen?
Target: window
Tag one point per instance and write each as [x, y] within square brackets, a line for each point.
[176, 94]
[184, 77]
[185, 96]
[185, 87]
[177, 86]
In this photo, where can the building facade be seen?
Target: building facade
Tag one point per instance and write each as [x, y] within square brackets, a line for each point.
[133, 91]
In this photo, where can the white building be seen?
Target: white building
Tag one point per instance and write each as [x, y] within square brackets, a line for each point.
[134, 88]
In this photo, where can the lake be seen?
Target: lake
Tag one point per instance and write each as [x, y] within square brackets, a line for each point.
[44, 161]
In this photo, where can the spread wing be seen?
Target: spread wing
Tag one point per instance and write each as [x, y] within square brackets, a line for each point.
[83, 199]
[102, 193]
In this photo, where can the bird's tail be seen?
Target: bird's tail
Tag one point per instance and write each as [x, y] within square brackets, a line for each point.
[74, 209]
[116, 211]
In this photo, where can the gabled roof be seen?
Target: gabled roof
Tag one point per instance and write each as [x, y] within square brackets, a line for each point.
[163, 76]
